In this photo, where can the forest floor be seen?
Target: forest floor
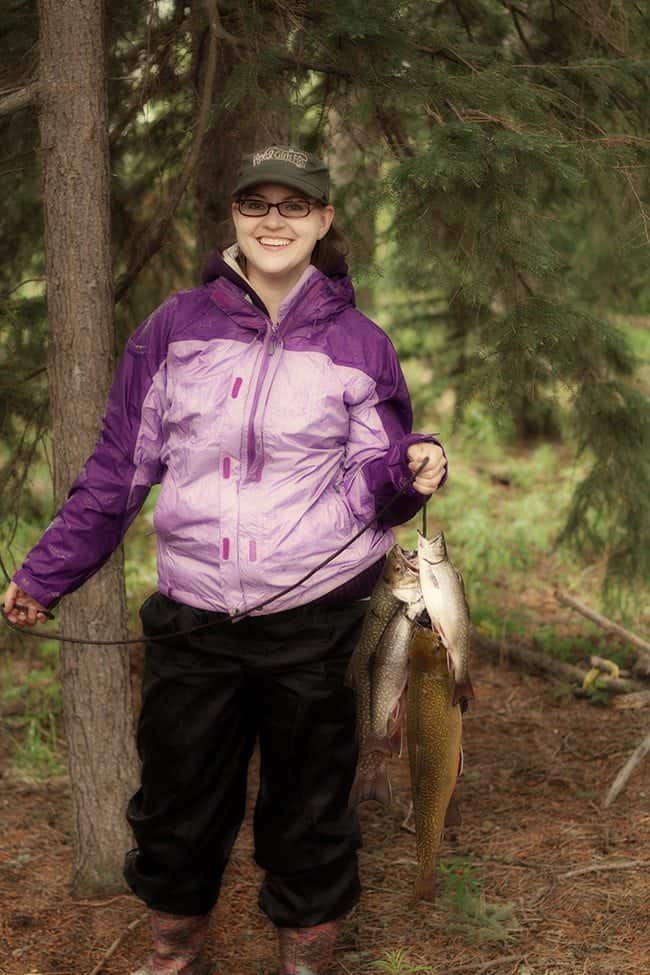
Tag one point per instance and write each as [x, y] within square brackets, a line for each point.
[538, 880]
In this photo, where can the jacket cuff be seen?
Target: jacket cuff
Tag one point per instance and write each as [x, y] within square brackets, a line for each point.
[28, 584]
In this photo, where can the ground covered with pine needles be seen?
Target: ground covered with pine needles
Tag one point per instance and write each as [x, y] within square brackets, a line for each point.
[538, 880]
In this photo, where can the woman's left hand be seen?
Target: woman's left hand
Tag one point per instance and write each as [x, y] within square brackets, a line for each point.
[430, 476]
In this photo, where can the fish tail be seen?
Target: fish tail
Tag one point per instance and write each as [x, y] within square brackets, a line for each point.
[375, 785]
[425, 887]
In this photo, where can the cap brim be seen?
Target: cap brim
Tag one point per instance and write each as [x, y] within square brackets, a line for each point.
[293, 184]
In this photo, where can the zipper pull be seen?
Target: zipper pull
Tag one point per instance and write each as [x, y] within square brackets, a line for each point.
[274, 335]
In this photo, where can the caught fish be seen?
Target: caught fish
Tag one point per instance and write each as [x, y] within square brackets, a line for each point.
[372, 780]
[393, 590]
[390, 661]
[444, 597]
[434, 748]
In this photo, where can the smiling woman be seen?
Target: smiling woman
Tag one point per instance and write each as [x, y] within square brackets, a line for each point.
[276, 417]
[277, 232]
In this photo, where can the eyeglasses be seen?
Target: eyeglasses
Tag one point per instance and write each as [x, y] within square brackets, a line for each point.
[288, 208]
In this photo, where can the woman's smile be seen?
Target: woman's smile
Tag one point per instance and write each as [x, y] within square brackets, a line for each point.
[273, 243]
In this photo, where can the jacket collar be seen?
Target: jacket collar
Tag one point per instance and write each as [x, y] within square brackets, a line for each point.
[316, 295]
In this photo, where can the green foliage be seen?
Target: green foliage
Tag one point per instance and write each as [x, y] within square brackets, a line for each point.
[472, 914]
[38, 754]
[33, 701]
[610, 509]
[397, 962]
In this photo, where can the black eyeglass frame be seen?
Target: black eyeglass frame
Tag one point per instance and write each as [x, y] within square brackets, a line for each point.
[288, 216]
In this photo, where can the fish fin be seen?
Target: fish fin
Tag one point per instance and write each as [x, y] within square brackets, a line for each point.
[453, 815]
[463, 691]
[376, 786]
[397, 724]
[425, 887]
[374, 744]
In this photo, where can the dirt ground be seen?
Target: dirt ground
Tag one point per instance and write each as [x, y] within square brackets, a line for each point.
[547, 882]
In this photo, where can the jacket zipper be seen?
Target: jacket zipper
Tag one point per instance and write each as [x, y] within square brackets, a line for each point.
[270, 341]
[274, 338]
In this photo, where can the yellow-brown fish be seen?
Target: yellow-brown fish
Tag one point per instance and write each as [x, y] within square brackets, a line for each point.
[434, 747]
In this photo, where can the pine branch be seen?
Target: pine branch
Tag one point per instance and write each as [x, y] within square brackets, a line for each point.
[157, 230]
[465, 22]
[158, 58]
[295, 61]
[514, 11]
[600, 35]
[642, 209]
[15, 100]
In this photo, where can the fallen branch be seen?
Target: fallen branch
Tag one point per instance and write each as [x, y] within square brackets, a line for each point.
[621, 779]
[485, 966]
[19, 98]
[602, 867]
[541, 663]
[640, 699]
[642, 666]
[118, 941]
[158, 228]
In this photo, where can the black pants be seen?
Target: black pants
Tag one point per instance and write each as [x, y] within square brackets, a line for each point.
[207, 697]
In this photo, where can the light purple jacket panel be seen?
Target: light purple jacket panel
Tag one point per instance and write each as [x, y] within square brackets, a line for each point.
[272, 447]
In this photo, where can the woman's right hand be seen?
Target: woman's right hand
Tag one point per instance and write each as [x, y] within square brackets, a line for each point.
[21, 609]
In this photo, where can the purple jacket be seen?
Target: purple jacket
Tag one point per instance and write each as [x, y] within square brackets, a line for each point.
[273, 444]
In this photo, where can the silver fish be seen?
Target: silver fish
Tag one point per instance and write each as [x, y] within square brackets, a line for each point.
[397, 586]
[390, 661]
[444, 597]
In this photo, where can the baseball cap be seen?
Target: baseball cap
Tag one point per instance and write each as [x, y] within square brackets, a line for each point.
[288, 166]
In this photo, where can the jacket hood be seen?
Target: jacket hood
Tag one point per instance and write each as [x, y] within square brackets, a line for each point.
[336, 286]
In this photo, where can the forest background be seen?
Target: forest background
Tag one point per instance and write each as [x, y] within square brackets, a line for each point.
[490, 166]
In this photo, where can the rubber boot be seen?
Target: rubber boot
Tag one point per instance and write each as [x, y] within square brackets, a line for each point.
[178, 944]
[307, 951]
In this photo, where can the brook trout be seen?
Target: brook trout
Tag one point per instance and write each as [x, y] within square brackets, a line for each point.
[434, 747]
[390, 661]
[391, 591]
[444, 597]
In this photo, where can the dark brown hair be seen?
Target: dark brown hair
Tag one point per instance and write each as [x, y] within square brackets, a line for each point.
[330, 253]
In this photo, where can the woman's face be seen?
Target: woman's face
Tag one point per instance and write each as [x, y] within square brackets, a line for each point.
[279, 248]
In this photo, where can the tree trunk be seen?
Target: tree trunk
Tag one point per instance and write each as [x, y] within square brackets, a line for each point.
[232, 131]
[96, 689]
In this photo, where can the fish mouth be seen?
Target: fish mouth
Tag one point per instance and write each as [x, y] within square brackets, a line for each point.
[411, 558]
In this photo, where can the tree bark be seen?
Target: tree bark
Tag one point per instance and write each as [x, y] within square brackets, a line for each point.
[232, 131]
[96, 689]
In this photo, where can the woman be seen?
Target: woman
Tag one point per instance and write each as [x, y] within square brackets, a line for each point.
[277, 420]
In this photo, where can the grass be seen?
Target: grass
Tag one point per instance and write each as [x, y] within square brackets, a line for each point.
[32, 702]
[398, 963]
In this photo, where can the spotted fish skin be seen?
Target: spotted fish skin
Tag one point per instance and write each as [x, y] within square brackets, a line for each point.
[394, 589]
[434, 746]
[390, 673]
